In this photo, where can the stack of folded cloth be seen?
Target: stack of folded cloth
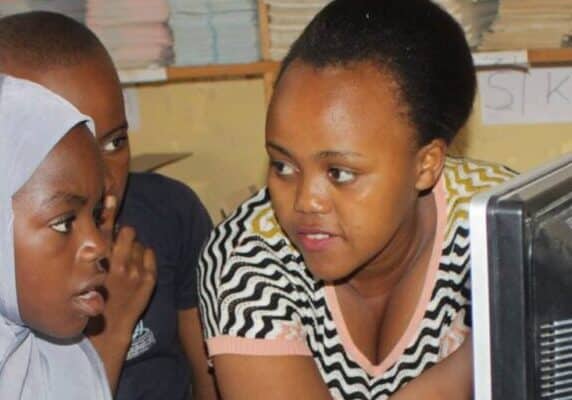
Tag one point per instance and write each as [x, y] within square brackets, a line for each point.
[9, 7]
[530, 24]
[214, 31]
[135, 33]
[287, 19]
[475, 16]
[73, 9]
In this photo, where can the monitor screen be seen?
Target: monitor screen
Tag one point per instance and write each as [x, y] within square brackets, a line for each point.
[521, 274]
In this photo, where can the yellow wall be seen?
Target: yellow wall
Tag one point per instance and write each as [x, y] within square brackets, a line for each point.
[519, 146]
[222, 124]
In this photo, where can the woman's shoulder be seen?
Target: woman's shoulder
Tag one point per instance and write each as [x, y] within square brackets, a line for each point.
[475, 174]
[465, 177]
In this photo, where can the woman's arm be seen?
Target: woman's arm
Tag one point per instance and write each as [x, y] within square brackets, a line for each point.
[451, 379]
[191, 337]
[247, 377]
[241, 377]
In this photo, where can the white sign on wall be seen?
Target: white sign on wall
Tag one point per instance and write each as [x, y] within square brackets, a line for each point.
[536, 95]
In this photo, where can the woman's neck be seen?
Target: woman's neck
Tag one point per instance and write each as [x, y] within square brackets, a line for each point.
[406, 252]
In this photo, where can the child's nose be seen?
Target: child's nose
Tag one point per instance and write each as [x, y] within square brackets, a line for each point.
[95, 247]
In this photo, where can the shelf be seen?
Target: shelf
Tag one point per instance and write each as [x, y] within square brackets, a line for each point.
[487, 59]
[550, 56]
[221, 70]
[174, 74]
[522, 58]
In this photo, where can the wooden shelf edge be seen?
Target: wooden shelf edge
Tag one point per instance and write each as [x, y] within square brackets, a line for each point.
[522, 57]
[170, 74]
[550, 56]
[485, 59]
[258, 68]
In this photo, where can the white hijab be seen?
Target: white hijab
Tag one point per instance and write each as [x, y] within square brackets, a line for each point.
[32, 121]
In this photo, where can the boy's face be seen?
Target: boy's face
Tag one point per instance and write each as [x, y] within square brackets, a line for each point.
[57, 240]
[342, 174]
[92, 86]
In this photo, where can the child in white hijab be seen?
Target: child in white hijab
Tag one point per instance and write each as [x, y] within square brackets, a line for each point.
[52, 250]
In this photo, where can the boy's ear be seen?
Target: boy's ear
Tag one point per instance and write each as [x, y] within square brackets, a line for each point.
[430, 162]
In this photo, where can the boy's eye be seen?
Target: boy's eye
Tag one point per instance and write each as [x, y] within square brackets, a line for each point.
[341, 175]
[282, 168]
[63, 225]
[115, 143]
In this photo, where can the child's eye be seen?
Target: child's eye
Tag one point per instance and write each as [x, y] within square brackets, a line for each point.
[115, 143]
[63, 225]
[282, 168]
[341, 175]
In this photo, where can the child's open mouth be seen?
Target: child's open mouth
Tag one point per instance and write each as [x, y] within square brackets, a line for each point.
[90, 302]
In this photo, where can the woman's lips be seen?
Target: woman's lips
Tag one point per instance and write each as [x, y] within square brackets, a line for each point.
[315, 240]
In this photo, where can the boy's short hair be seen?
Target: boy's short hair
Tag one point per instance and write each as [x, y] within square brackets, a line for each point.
[42, 39]
[415, 41]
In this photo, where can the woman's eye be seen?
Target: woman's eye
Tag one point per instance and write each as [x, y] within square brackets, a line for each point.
[341, 175]
[115, 144]
[63, 225]
[282, 168]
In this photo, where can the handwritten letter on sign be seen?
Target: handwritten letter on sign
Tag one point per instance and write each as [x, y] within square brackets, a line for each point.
[537, 95]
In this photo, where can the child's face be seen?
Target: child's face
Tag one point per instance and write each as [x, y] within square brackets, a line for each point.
[343, 170]
[92, 87]
[57, 241]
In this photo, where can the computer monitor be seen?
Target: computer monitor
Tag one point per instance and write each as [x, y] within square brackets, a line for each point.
[521, 255]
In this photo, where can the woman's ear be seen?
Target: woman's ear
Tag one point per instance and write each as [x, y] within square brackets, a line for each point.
[430, 162]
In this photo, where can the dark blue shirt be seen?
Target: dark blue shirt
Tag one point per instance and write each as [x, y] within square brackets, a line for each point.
[169, 218]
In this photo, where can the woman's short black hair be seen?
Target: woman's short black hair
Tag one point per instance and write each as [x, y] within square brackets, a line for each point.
[416, 41]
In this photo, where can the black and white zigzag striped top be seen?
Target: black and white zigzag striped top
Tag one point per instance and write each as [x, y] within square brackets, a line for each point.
[257, 296]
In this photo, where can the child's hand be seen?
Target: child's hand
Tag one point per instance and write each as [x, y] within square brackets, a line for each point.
[129, 283]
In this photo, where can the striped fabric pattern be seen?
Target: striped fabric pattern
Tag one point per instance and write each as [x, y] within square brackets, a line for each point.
[258, 297]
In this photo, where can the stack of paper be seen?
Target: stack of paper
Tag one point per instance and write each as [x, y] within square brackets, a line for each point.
[214, 31]
[73, 9]
[475, 16]
[287, 19]
[530, 24]
[135, 34]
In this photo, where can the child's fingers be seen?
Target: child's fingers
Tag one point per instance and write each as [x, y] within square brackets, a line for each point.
[108, 216]
[150, 264]
[122, 249]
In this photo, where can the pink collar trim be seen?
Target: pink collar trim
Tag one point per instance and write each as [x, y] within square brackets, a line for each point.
[425, 298]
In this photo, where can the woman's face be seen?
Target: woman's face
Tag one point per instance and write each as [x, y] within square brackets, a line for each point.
[58, 245]
[343, 174]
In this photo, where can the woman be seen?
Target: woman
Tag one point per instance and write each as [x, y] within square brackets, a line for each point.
[348, 277]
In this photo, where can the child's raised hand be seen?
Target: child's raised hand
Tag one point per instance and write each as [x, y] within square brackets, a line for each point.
[130, 281]
[129, 284]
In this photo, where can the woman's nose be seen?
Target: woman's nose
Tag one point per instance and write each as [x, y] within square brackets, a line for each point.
[311, 197]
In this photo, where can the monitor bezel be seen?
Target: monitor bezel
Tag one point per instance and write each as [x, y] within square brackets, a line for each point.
[523, 187]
